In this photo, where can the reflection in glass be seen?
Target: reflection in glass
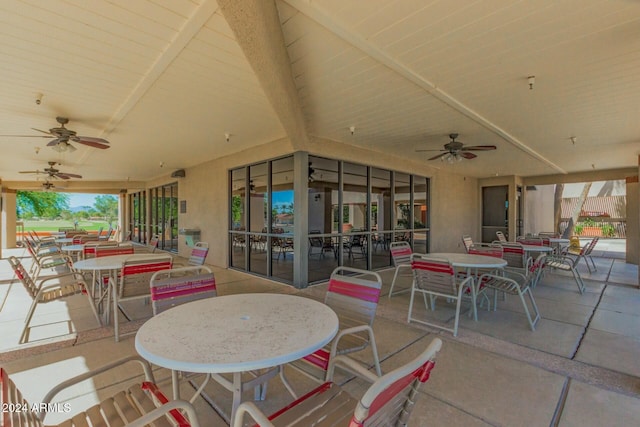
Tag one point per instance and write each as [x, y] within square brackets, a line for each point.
[282, 217]
[380, 217]
[355, 222]
[238, 238]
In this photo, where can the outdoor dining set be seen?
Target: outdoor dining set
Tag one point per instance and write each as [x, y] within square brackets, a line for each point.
[239, 341]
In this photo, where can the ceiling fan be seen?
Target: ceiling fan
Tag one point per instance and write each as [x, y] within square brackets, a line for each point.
[47, 186]
[456, 150]
[54, 173]
[63, 136]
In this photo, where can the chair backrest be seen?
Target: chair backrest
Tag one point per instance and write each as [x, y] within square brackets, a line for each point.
[11, 397]
[487, 250]
[467, 241]
[153, 243]
[198, 254]
[89, 249]
[24, 277]
[135, 275]
[108, 250]
[529, 240]
[433, 274]
[390, 400]
[514, 254]
[591, 245]
[500, 236]
[400, 253]
[180, 285]
[353, 294]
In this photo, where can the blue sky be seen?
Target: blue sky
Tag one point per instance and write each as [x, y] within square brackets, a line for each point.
[77, 199]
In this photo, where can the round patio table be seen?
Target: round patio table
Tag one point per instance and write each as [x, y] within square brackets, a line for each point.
[235, 334]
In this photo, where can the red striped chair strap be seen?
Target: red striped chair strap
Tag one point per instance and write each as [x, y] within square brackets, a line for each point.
[184, 288]
[512, 250]
[198, 252]
[354, 290]
[320, 389]
[162, 399]
[437, 267]
[401, 251]
[145, 268]
[319, 358]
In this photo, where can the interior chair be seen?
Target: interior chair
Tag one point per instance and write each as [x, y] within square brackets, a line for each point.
[353, 294]
[401, 255]
[501, 237]
[433, 277]
[320, 245]
[467, 241]
[389, 401]
[514, 283]
[356, 245]
[52, 288]
[135, 277]
[143, 404]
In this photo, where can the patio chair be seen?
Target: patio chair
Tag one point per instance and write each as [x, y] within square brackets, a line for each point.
[389, 401]
[321, 245]
[588, 248]
[568, 263]
[515, 284]
[516, 258]
[435, 277]
[501, 237]
[89, 249]
[49, 258]
[486, 249]
[180, 285]
[52, 288]
[353, 294]
[401, 255]
[467, 241]
[530, 240]
[135, 277]
[140, 405]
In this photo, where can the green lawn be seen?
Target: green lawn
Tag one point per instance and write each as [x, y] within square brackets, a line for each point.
[54, 225]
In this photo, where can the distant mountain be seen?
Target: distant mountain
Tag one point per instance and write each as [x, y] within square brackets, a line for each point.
[80, 208]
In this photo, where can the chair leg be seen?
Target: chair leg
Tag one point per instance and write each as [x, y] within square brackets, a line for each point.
[393, 282]
[592, 263]
[578, 280]
[374, 351]
[24, 336]
[532, 323]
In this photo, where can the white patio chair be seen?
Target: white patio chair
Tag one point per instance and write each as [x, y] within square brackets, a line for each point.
[401, 255]
[568, 263]
[176, 286]
[467, 241]
[141, 405]
[353, 294]
[389, 401]
[52, 288]
[434, 278]
[501, 237]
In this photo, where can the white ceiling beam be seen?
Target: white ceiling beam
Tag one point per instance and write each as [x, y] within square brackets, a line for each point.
[198, 19]
[322, 18]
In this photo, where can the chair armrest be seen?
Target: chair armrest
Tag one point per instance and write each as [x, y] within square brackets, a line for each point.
[250, 408]
[349, 331]
[350, 365]
[148, 374]
[164, 410]
[75, 274]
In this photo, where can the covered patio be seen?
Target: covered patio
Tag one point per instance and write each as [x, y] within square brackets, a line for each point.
[496, 372]
[199, 115]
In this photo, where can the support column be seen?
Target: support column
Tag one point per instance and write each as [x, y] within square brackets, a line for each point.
[9, 217]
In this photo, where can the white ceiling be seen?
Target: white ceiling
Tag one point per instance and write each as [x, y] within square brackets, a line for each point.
[164, 80]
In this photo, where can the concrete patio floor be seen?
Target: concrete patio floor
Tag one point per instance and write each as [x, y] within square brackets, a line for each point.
[578, 368]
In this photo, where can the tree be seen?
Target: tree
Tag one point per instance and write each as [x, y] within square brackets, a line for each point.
[107, 207]
[41, 204]
[575, 214]
[557, 207]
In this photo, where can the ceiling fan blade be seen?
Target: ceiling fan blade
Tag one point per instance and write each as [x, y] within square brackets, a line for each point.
[421, 151]
[30, 172]
[438, 156]
[26, 136]
[61, 175]
[479, 148]
[43, 131]
[92, 142]
[65, 175]
[467, 155]
[54, 142]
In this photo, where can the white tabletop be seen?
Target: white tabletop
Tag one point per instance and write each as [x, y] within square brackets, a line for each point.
[236, 333]
[470, 260]
[112, 262]
[536, 248]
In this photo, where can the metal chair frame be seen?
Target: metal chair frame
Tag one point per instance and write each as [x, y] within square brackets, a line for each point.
[401, 255]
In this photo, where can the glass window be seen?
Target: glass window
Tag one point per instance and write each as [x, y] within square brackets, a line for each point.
[355, 221]
[237, 217]
[282, 218]
[402, 206]
[420, 214]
